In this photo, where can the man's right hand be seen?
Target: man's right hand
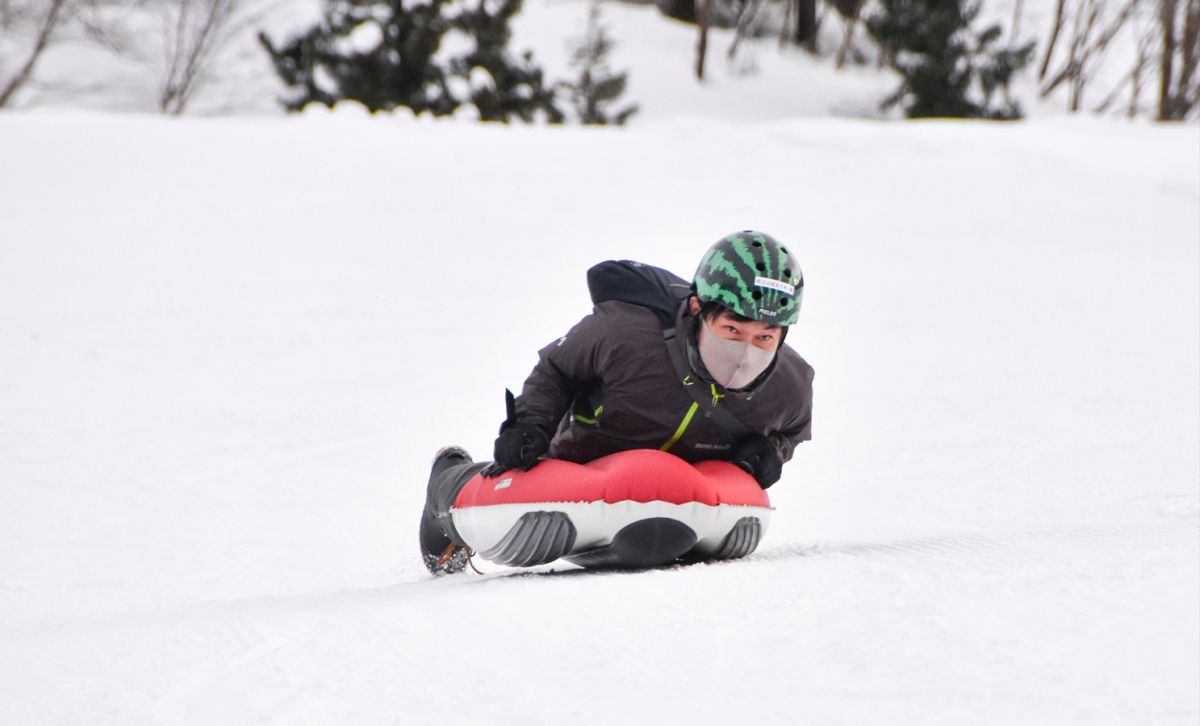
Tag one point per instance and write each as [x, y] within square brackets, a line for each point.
[519, 445]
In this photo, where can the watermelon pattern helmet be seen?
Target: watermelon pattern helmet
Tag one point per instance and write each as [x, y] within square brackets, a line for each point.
[753, 275]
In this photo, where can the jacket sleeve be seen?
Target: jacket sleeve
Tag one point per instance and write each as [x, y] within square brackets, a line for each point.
[566, 369]
[799, 427]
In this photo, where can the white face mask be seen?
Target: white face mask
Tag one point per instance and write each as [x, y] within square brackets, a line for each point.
[732, 363]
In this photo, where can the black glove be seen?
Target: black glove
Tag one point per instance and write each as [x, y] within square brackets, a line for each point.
[760, 460]
[519, 444]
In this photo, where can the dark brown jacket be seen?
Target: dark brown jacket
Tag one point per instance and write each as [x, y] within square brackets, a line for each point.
[608, 385]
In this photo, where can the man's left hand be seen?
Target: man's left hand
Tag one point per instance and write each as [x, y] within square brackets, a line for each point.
[760, 459]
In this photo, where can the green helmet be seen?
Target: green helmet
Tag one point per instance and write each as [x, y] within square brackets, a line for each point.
[753, 275]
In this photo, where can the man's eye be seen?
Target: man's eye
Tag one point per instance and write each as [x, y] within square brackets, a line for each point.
[731, 329]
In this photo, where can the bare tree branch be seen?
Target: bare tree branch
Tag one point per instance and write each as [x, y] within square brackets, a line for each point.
[46, 31]
[1018, 9]
[1055, 29]
[851, 12]
[1079, 56]
[193, 38]
[745, 17]
[1139, 77]
[174, 51]
[1135, 78]
[1084, 53]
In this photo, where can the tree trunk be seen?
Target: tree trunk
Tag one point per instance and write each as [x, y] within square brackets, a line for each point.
[1166, 18]
[1187, 87]
[684, 10]
[806, 24]
[784, 29]
[702, 8]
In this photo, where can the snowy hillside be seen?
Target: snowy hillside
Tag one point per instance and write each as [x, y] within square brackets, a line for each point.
[229, 348]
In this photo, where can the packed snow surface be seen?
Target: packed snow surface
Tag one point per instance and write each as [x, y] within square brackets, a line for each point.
[229, 349]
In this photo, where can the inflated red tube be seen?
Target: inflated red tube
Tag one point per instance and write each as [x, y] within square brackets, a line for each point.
[641, 475]
[562, 509]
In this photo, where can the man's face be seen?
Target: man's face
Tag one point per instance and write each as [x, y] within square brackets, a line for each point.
[755, 332]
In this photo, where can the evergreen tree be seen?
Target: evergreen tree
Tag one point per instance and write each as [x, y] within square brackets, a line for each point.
[389, 53]
[596, 87]
[513, 87]
[947, 69]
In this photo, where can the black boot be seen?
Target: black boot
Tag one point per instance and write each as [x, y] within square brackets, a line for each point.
[442, 549]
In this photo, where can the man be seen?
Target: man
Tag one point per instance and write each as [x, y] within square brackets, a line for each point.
[719, 384]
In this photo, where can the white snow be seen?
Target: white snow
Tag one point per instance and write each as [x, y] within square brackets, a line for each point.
[363, 39]
[229, 348]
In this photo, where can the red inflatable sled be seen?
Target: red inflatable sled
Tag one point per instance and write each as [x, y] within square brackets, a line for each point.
[635, 509]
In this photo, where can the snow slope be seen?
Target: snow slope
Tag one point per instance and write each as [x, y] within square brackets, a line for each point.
[224, 367]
